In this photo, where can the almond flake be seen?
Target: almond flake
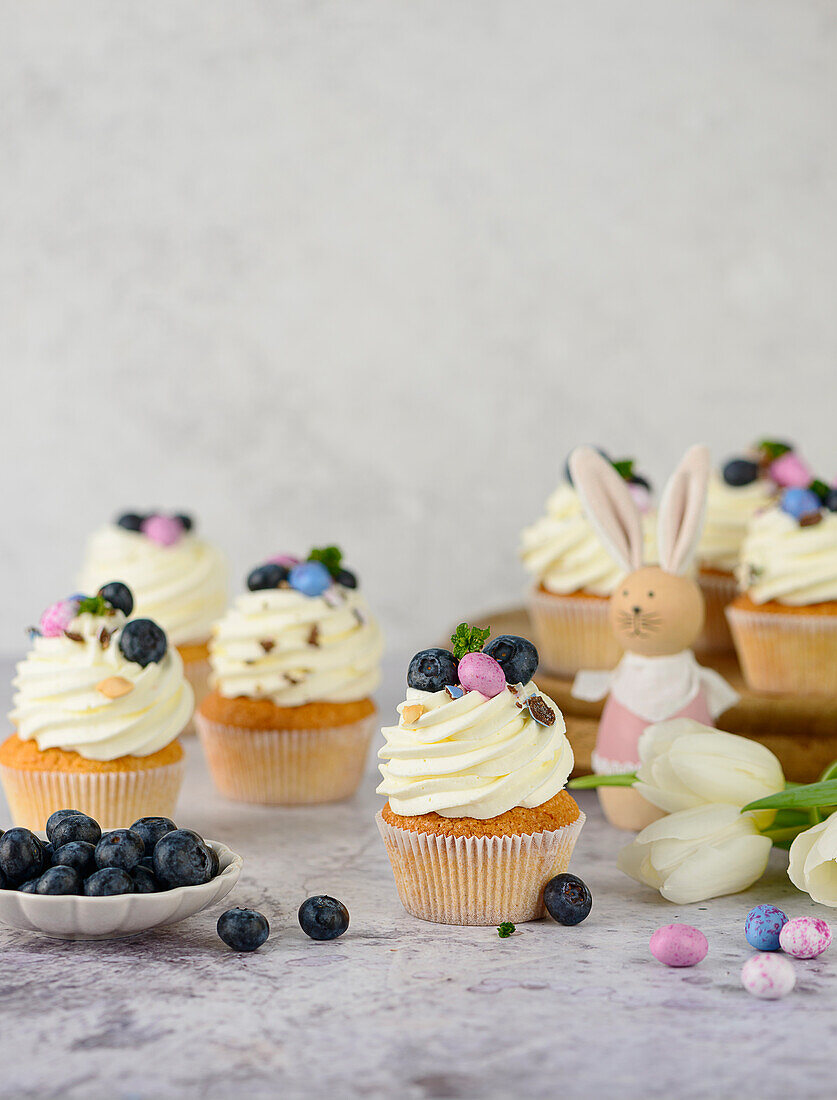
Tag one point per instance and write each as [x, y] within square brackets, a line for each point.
[810, 520]
[412, 713]
[114, 687]
[71, 634]
[314, 635]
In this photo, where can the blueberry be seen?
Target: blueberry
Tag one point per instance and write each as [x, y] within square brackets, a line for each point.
[267, 576]
[432, 670]
[120, 848]
[323, 918]
[831, 500]
[216, 862]
[186, 522]
[517, 657]
[638, 479]
[4, 883]
[346, 577]
[29, 887]
[799, 502]
[243, 929]
[182, 859]
[131, 521]
[78, 854]
[118, 595]
[143, 642]
[567, 899]
[311, 578]
[76, 826]
[152, 829]
[59, 815]
[21, 855]
[108, 881]
[144, 880]
[59, 880]
[740, 471]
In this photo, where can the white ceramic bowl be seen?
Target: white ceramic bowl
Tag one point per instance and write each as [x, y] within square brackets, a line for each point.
[73, 917]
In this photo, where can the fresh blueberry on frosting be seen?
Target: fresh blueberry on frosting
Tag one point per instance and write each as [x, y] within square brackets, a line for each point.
[269, 575]
[739, 472]
[119, 596]
[831, 500]
[517, 657]
[143, 642]
[432, 670]
[130, 521]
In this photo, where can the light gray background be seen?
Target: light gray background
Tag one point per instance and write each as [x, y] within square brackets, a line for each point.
[366, 271]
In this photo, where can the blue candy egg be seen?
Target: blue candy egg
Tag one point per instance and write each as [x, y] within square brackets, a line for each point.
[800, 502]
[311, 578]
[762, 927]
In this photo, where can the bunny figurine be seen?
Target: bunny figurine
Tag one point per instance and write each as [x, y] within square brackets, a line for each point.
[656, 612]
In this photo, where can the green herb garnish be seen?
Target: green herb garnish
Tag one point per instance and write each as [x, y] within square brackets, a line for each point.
[624, 467]
[820, 488]
[505, 930]
[93, 605]
[329, 556]
[468, 639]
[772, 448]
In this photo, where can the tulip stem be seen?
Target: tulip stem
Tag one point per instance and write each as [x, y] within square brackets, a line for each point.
[790, 832]
[587, 782]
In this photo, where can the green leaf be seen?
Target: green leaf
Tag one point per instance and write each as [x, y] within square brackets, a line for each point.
[93, 605]
[820, 488]
[829, 773]
[329, 556]
[624, 467]
[806, 797]
[505, 930]
[772, 448]
[587, 782]
[468, 639]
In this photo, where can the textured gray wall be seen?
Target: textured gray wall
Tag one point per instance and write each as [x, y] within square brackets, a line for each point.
[365, 271]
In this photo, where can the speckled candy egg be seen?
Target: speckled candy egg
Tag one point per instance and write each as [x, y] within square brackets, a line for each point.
[164, 530]
[805, 937]
[479, 672]
[679, 945]
[768, 976]
[762, 927]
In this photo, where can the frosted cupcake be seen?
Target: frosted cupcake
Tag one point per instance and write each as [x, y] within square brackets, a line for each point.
[574, 576]
[477, 819]
[294, 664]
[177, 579]
[784, 623]
[98, 706]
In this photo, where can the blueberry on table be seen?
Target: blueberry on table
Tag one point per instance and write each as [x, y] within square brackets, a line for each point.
[29, 887]
[517, 657]
[109, 881]
[346, 577]
[432, 670]
[739, 472]
[243, 929]
[59, 880]
[567, 899]
[120, 848]
[267, 576]
[216, 862]
[323, 918]
[131, 521]
[182, 859]
[75, 826]
[311, 578]
[4, 883]
[152, 829]
[78, 854]
[143, 642]
[54, 818]
[21, 855]
[119, 596]
[145, 882]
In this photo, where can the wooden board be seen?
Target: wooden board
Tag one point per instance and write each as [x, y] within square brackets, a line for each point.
[800, 729]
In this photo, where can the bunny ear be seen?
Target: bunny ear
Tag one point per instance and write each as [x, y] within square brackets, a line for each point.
[609, 506]
[682, 508]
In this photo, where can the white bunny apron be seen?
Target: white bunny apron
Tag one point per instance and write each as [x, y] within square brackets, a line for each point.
[644, 690]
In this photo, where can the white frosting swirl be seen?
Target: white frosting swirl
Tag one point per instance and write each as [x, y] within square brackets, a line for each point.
[473, 756]
[564, 553]
[729, 509]
[295, 649]
[58, 705]
[182, 587]
[783, 561]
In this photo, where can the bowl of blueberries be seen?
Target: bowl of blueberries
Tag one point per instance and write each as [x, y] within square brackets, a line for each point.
[78, 883]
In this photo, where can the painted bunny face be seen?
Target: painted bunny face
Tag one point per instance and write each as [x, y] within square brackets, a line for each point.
[656, 614]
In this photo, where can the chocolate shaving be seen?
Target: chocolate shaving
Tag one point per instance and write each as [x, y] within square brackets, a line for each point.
[292, 679]
[314, 635]
[539, 710]
[267, 644]
[104, 638]
[71, 634]
[811, 520]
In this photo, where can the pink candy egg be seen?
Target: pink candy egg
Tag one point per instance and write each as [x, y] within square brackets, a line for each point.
[288, 560]
[679, 945]
[805, 937]
[164, 530]
[768, 976]
[790, 471]
[479, 672]
[57, 618]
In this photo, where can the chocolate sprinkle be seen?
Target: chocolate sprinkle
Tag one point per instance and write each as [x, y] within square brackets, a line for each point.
[71, 634]
[539, 710]
[267, 644]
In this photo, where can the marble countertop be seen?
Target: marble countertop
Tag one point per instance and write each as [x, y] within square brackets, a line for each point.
[397, 1007]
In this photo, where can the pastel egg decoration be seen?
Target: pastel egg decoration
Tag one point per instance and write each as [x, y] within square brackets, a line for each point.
[805, 937]
[799, 502]
[164, 530]
[480, 672]
[762, 927]
[311, 578]
[57, 617]
[790, 471]
[679, 945]
[768, 976]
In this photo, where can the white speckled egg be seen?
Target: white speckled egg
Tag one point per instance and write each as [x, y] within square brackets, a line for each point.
[768, 976]
[805, 937]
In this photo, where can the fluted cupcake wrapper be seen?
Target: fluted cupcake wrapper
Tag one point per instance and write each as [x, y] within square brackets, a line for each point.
[573, 632]
[286, 767]
[786, 653]
[476, 880]
[197, 673]
[114, 799]
[718, 591]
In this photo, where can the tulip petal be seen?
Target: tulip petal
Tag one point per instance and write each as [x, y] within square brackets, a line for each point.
[716, 870]
[693, 824]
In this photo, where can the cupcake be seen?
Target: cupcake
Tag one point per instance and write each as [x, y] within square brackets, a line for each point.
[477, 819]
[178, 580]
[98, 706]
[294, 664]
[574, 576]
[784, 623]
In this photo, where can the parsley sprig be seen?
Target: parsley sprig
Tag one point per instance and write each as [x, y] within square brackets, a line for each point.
[468, 639]
[329, 556]
[505, 930]
[94, 605]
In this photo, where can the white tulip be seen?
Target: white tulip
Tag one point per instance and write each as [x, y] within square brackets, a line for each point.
[696, 854]
[812, 865]
[684, 764]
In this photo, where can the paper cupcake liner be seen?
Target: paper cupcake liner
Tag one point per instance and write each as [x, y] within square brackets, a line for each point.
[114, 799]
[718, 591]
[786, 653]
[197, 673]
[286, 767]
[573, 632]
[476, 880]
